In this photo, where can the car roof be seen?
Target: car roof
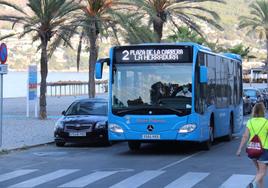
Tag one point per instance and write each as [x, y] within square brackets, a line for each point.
[92, 100]
[250, 88]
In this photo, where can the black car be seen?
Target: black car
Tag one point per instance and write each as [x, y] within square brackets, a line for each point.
[84, 121]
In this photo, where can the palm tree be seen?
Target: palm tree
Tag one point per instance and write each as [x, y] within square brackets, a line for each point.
[97, 21]
[49, 22]
[257, 22]
[185, 34]
[133, 30]
[186, 11]
[240, 49]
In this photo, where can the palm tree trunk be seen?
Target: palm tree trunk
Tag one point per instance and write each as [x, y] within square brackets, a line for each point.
[93, 55]
[79, 51]
[43, 86]
[158, 28]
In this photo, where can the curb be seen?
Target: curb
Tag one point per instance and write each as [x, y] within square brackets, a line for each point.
[22, 148]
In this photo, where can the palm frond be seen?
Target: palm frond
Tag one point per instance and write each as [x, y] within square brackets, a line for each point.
[13, 6]
[257, 21]
[187, 11]
[7, 36]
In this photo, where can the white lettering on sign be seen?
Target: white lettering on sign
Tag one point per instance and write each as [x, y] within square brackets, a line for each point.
[126, 55]
[3, 68]
[152, 55]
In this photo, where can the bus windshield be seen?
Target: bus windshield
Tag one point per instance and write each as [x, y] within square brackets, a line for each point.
[152, 88]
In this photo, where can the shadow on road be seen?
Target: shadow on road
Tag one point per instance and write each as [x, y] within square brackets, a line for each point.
[164, 148]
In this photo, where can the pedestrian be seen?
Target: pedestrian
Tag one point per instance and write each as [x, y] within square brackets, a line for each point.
[257, 125]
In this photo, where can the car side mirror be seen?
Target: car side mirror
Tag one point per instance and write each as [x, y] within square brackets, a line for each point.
[63, 113]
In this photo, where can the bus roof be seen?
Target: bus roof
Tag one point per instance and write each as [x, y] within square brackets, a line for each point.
[233, 56]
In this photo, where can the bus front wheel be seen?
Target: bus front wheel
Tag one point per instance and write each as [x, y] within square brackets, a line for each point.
[134, 145]
[207, 144]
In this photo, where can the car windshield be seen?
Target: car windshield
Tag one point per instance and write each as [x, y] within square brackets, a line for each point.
[250, 92]
[87, 108]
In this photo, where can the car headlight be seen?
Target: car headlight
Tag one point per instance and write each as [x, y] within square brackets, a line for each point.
[115, 128]
[187, 128]
[59, 125]
[100, 125]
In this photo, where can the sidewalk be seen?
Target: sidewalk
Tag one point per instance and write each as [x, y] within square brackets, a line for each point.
[20, 131]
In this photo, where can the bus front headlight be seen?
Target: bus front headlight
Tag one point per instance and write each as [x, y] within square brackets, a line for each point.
[187, 128]
[115, 128]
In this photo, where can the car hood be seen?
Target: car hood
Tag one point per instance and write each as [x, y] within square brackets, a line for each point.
[84, 119]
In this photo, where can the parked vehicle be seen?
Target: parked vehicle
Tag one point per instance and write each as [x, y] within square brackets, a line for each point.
[247, 105]
[254, 95]
[264, 92]
[84, 121]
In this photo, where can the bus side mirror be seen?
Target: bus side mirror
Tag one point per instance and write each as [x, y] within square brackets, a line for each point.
[203, 74]
[99, 67]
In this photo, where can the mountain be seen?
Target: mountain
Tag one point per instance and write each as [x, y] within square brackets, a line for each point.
[22, 52]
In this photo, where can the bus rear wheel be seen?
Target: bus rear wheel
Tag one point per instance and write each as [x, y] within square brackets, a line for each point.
[229, 136]
[134, 145]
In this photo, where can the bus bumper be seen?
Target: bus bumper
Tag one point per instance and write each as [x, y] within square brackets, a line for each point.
[159, 136]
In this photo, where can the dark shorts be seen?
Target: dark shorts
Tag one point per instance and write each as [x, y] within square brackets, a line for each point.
[263, 158]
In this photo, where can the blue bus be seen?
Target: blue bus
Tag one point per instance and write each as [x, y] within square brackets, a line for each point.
[172, 92]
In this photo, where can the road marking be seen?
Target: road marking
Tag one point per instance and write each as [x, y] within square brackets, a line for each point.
[177, 162]
[188, 180]
[237, 181]
[138, 179]
[88, 179]
[45, 178]
[31, 165]
[15, 174]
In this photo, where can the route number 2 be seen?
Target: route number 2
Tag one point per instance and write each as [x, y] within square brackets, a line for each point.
[125, 55]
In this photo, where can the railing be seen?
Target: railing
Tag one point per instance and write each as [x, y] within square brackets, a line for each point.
[73, 88]
[259, 80]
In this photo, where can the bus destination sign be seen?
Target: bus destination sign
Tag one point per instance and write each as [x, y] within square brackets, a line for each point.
[151, 54]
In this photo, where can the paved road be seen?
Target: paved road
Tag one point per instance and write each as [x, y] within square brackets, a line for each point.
[161, 165]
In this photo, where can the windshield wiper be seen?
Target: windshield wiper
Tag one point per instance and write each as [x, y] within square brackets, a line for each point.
[129, 110]
[149, 107]
[71, 114]
[172, 109]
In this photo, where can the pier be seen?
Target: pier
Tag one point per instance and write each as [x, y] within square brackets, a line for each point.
[73, 88]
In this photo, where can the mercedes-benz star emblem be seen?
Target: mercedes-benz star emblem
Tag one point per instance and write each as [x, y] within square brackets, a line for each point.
[150, 128]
